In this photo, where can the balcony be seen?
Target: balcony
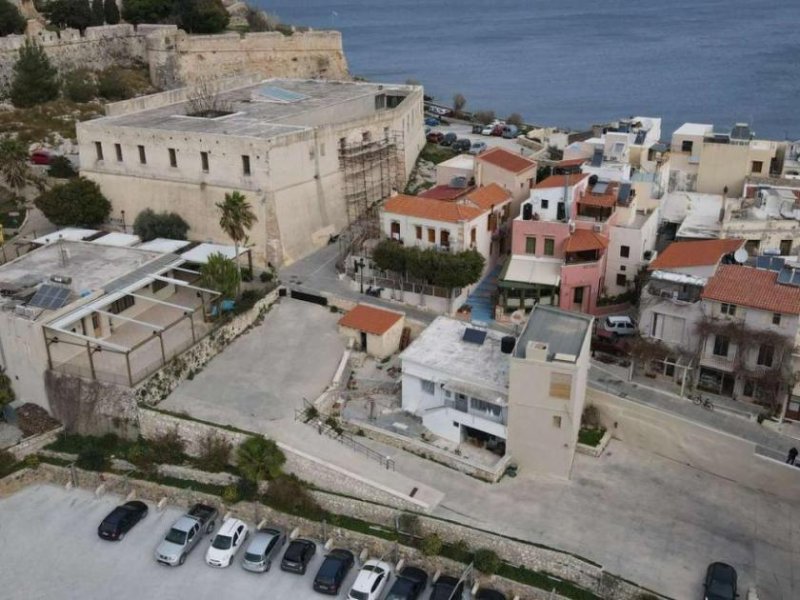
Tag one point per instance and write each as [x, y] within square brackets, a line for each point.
[497, 414]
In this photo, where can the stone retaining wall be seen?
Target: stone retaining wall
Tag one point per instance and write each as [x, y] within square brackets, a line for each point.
[34, 443]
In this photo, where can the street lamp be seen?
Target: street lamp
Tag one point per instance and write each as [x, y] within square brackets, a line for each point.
[360, 264]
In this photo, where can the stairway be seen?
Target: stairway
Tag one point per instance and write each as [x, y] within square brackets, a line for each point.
[482, 297]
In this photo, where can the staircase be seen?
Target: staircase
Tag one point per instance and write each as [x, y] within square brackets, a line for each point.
[482, 297]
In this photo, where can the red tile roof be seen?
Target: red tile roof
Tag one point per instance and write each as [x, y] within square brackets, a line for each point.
[755, 288]
[559, 180]
[429, 208]
[605, 200]
[508, 161]
[445, 192]
[370, 319]
[694, 254]
[572, 162]
[583, 240]
[487, 196]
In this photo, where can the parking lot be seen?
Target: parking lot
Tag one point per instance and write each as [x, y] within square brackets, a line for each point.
[50, 550]
[465, 131]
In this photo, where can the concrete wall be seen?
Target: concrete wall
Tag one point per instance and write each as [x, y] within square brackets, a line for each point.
[638, 239]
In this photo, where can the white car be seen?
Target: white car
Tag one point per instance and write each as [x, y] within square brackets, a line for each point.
[615, 326]
[226, 543]
[488, 129]
[371, 581]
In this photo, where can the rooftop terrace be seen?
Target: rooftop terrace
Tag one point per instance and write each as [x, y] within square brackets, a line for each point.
[564, 332]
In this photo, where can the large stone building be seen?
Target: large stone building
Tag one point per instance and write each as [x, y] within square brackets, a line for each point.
[311, 156]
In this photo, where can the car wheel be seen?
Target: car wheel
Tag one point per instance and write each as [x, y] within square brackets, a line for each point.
[144, 514]
[182, 559]
[121, 537]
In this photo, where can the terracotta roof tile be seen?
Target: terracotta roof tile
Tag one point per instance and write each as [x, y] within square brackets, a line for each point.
[487, 196]
[559, 180]
[446, 192]
[506, 160]
[605, 200]
[695, 253]
[754, 288]
[429, 208]
[370, 319]
[583, 240]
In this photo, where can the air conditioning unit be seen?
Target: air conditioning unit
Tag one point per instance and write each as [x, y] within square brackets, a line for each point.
[597, 227]
[572, 226]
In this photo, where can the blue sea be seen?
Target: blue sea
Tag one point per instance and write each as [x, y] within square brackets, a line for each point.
[572, 63]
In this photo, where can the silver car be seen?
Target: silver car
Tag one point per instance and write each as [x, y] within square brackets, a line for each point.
[265, 545]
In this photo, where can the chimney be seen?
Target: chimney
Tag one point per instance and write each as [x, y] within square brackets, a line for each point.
[536, 351]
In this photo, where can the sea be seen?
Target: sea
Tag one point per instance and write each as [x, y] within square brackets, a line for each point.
[572, 63]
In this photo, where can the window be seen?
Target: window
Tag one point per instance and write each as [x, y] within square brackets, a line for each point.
[776, 318]
[622, 268]
[560, 385]
[96, 321]
[444, 238]
[245, 164]
[545, 203]
[173, 158]
[728, 309]
[530, 245]
[418, 229]
[431, 235]
[118, 150]
[395, 230]
[765, 355]
[557, 421]
[142, 155]
[486, 407]
[473, 236]
[756, 166]
[786, 247]
[380, 101]
[549, 246]
[721, 344]
[687, 145]
[621, 279]
[577, 295]
[427, 386]
[204, 161]
[366, 136]
[98, 148]
[462, 403]
[122, 304]
[624, 251]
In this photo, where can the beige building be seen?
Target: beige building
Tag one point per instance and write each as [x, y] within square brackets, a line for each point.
[311, 156]
[513, 172]
[718, 163]
[376, 331]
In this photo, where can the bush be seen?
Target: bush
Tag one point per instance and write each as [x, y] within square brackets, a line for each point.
[93, 459]
[79, 85]
[459, 551]
[484, 116]
[11, 20]
[111, 12]
[111, 85]
[79, 202]
[266, 276]
[7, 462]
[247, 274]
[431, 545]
[168, 448]
[146, 11]
[515, 119]
[486, 561]
[35, 80]
[258, 20]
[202, 16]
[141, 455]
[231, 494]
[246, 488]
[259, 458]
[215, 453]
[61, 168]
[150, 225]
[408, 523]
[287, 493]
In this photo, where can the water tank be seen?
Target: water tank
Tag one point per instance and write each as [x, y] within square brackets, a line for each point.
[507, 344]
[458, 182]
[593, 180]
[527, 212]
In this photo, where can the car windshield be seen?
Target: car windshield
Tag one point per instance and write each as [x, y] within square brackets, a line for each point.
[249, 557]
[723, 589]
[356, 595]
[176, 536]
[222, 542]
[106, 526]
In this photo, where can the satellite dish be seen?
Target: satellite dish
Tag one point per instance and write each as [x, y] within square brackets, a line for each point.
[517, 317]
[740, 256]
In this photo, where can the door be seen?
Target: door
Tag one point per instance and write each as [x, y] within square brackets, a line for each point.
[364, 341]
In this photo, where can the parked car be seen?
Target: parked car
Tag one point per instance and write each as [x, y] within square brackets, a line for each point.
[477, 128]
[264, 547]
[477, 147]
[185, 534]
[498, 130]
[334, 569]
[408, 585]
[487, 594]
[616, 326]
[510, 131]
[229, 539]
[431, 121]
[721, 582]
[371, 581]
[462, 145]
[449, 139]
[121, 520]
[435, 137]
[41, 157]
[298, 555]
[488, 129]
[447, 588]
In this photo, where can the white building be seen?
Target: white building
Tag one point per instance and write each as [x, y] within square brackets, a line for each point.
[461, 165]
[310, 155]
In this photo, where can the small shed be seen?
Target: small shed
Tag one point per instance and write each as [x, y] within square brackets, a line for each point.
[376, 331]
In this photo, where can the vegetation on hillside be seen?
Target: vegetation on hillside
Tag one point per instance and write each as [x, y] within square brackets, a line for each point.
[35, 80]
[11, 20]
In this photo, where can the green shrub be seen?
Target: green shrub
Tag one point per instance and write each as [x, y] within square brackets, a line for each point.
[11, 20]
[246, 488]
[79, 202]
[215, 453]
[168, 448]
[111, 85]
[7, 462]
[31, 461]
[590, 437]
[431, 545]
[259, 458]
[266, 276]
[150, 225]
[247, 274]
[458, 551]
[231, 494]
[287, 493]
[79, 85]
[93, 459]
[61, 168]
[486, 561]
[35, 79]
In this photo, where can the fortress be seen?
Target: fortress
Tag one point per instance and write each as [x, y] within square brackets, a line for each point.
[175, 58]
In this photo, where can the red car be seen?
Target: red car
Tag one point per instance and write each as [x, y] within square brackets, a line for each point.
[41, 157]
[435, 137]
[498, 129]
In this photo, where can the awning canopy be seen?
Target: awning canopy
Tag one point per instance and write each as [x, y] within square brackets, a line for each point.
[163, 245]
[531, 270]
[583, 240]
[68, 234]
[200, 254]
[118, 239]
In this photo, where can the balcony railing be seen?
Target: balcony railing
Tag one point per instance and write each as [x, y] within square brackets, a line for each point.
[464, 407]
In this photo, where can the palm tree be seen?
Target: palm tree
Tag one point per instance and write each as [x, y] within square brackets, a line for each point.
[259, 458]
[236, 219]
[222, 275]
[14, 164]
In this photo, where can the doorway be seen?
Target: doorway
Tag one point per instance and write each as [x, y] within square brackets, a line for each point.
[364, 341]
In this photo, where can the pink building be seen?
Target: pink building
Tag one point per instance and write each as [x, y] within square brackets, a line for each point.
[558, 244]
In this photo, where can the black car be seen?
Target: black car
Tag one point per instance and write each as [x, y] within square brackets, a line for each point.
[447, 588]
[462, 145]
[477, 127]
[334, 569]
[408, 585]
[720, 582]
[449, 139]
[120, 520]
[487, 594]
[298, 555]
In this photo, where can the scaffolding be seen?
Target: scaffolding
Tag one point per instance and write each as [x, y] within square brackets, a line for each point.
[372, 170]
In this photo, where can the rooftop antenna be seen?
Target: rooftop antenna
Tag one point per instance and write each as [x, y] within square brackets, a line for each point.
[62, 252]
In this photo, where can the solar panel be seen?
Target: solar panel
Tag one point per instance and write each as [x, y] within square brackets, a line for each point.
[796, 278]
[762, 262]
[600, 187]
[597, 157]
[474, 336]
[776, 264]
[50, 297]
[277, 94]
[624, 193]
[785, 276]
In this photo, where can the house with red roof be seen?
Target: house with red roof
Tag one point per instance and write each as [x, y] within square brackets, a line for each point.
[511, 171]
[372, 329]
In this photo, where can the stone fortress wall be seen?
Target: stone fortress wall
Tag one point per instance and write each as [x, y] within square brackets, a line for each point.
[175, 58]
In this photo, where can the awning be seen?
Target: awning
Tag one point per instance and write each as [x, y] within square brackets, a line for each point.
[531, 270]
[69, 234]
[583, 240]
[200, 254]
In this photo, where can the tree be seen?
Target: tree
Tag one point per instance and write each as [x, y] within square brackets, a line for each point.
[35, 79]
[70, 13]
[459, 102]
[98, 12]
[515, 119]
[7, 395]
[112, 86]
[111, 12]
[258, 20]
[146, 11]
[222, 275]
[14, 164]
[79, 202]
[259, 458]
[430, 266]
[484, 116]
[79, 85]
[150, 225]
[61, 168]
[202, 16]
[236, 219]
[11, 20]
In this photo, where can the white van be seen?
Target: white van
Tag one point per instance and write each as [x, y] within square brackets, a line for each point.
[614, 326]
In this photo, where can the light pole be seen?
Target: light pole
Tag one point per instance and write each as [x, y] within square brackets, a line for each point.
[124, 229]
[360, 264]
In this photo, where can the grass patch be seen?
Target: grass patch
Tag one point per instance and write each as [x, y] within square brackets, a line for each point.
[38, 123]
[436, 154]
[547, 582]
[590, 437]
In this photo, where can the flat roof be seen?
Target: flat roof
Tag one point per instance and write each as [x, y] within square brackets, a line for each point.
[563, 331]
[163, 245]
[461, 161]
[441, 347]
[256, 110]
[200, 253]
[71, 234]
[121, 240]
[694, 129]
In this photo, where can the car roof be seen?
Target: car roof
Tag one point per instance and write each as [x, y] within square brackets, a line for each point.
[721, 566]
[115, 515]
[260, 541]
[229, 526]
[414, 573]
[485, 594]
[368, 573]
[619, 318]
[446, 580]
[340, 554]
